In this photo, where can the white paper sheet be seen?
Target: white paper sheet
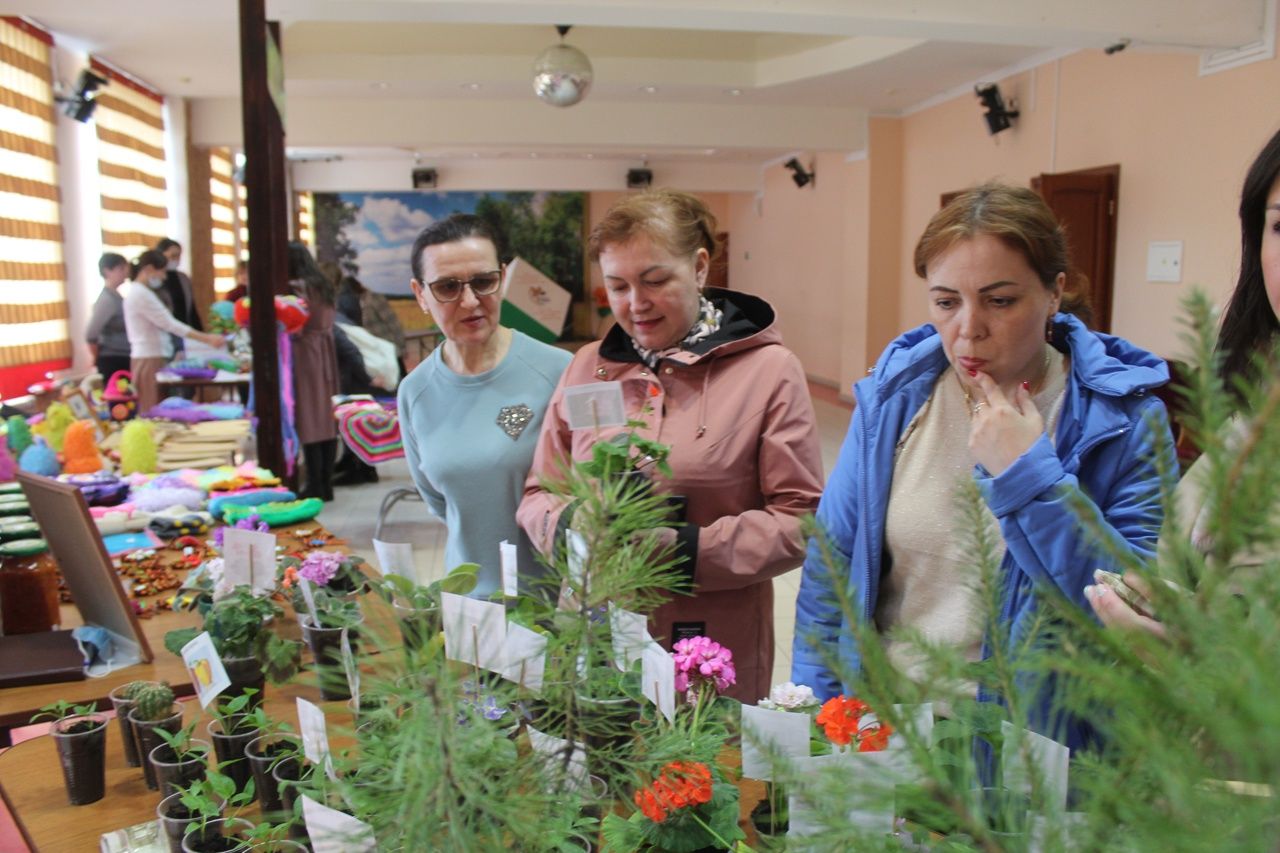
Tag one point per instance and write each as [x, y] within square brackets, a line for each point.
[510, 569]
[785, 731]
[332, 831]
[630, 633]
[1029, 757]
[554, 749]
[249, 558]
[595, 405]
[314, 731]
[207, 672]
[526, 657]
[872, 777]
[475, 632]
[577, 554]
[658, 679]
[395, 558]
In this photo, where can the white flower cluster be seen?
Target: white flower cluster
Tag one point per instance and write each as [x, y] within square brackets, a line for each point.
[789, 697]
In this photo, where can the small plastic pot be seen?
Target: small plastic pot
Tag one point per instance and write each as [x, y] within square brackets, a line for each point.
[174, 820]
[82, 752]
[145, 732]
[245, 673]
[123, 706]
[173, 771]
[326, 648]
[290, 777]
[225, 835]
[229, 749]
[417, 624]
[262, 752]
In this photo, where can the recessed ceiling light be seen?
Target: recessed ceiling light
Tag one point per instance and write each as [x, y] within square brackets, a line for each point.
[734, 92]
[474, 87]
[649, 90]
[590, 156]
[475, 154]
[708, 151]
[382, 84]
[533, 154]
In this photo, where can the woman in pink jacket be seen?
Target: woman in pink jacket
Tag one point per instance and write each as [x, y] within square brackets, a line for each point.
[729, 400]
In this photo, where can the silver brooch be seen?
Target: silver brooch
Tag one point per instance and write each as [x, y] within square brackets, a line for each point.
[513, 419]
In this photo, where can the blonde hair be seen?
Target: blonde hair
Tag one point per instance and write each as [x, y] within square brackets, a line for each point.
[678, 221]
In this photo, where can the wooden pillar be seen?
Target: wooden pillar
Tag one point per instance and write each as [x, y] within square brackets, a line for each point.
[267, 224]
[200, 250]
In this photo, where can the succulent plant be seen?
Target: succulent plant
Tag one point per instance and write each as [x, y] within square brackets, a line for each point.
[130, 690]
[151, 700]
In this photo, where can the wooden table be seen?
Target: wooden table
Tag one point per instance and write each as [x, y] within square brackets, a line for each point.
[17, 704]
[32, 787]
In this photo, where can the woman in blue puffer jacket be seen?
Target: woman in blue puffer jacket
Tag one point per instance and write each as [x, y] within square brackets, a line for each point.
[1002, 388]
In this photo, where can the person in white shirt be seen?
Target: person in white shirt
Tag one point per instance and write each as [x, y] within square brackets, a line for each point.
[149, 324]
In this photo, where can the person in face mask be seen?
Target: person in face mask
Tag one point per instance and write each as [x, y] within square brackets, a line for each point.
[177, 285]
[149, 326]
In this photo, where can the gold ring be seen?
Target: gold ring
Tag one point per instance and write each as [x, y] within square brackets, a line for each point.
[977, 406]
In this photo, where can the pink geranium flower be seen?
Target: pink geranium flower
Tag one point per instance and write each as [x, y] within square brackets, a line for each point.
[703, 660]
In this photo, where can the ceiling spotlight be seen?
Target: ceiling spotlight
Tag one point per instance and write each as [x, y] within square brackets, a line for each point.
[81, 105]
[1116, 47]
[473, 87]
[562, 74]
[649, 90]
[382, 85]
[798, 173]
[734, 92]
[998, 116]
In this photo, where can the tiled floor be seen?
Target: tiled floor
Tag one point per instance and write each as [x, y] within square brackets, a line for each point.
[354, 516]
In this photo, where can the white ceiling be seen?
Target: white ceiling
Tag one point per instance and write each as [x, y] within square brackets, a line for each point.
[653, 59]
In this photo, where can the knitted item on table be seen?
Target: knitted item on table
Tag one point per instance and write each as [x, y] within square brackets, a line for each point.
[40, 459]
[137, 449]
[185, 411]
[253, 497]
[19, 434]
[371, 432]
[173, 526]
[100, 489]
[80, 449]
[57, 418]
[155, 499]
[277, 514]
[8, 466]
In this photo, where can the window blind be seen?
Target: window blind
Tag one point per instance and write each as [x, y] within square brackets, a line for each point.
[222, 212]
[33, 295]
[131, 163]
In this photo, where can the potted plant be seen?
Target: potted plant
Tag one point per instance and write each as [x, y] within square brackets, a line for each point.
[231, 729]
[180, 759]
[195, 804]
[341, 574]
[81, 736]
[221, 835]
[770, 816]
[323, 634]
[275, 743]
[240, 626]
[417, 607]
[122, 700]
[153, 708]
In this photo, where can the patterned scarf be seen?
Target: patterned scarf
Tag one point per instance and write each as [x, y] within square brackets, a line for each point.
[707, 324]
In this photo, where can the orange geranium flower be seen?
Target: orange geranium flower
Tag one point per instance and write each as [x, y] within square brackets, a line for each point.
[874, 737]
[839, 718]
[681, 784]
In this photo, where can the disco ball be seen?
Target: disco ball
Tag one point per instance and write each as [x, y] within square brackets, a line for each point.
[562, 75]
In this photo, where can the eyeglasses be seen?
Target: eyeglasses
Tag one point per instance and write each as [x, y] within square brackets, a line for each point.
[481, 284]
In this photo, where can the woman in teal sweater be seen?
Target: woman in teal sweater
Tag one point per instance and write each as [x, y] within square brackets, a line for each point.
[471, 413]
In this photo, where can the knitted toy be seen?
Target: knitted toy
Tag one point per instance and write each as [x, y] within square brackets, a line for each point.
[40, 459]
[137, 448]
[222, 317]
[54, 426]
[290, 311]
[7, 465]
[19, 434]
[80, 449]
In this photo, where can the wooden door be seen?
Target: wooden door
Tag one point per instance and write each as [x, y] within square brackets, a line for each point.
[1085, 202]
[718, 275]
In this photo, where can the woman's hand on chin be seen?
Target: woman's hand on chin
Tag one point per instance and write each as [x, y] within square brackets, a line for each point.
[1002, 428]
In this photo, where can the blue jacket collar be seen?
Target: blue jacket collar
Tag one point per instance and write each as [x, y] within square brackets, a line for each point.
[1102, 363]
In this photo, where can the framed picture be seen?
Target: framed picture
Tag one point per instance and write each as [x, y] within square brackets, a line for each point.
[83, 410]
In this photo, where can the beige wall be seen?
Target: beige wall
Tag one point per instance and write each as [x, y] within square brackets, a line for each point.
[1183, 143]
[835, 259]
